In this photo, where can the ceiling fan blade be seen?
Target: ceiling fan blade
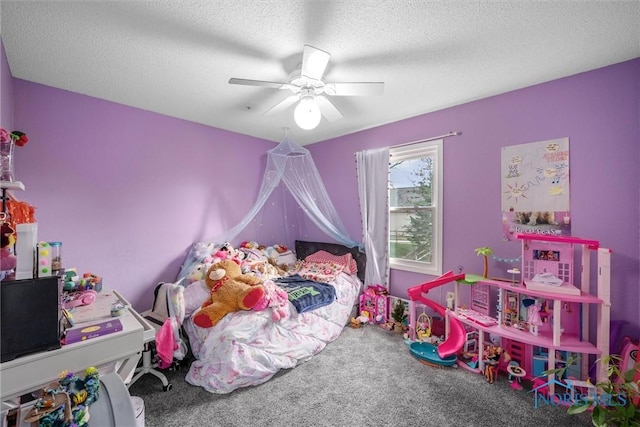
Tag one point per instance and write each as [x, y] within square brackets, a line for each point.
[314, 62]
[282, 105]
[355, 89]
[328, 110]
[246, 82]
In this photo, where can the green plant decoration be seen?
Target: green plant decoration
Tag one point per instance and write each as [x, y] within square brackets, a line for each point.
[398, 313]
[617, 395]
[485, 251]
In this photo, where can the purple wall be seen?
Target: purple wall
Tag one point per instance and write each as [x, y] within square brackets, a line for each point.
[597, 110]
[128, 191]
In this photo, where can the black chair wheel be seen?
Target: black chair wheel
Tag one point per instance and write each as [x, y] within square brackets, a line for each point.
[167, 387]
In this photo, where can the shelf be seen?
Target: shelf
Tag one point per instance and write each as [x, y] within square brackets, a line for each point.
[592, 244]
[543, 339]
[584, 298]
[12, 185]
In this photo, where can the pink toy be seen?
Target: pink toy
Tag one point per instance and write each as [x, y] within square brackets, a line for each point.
[375, 302]
[7, 260]
[552, 315]
[629, 354]
[226, 251]
[457, 334]
[533, 317]
[276, 298]
[81, 298]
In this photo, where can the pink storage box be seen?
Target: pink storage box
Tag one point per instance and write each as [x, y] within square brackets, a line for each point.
[375, 301]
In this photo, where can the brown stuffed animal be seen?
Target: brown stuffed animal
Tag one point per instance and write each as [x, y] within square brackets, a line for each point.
[230, 291]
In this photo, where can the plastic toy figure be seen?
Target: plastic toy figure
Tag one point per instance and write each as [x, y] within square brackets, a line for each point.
[491, 359]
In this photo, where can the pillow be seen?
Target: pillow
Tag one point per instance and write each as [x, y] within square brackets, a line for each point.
[320, 271]
[346, 260]
[287, 257]
[305, 248]
[195, 295]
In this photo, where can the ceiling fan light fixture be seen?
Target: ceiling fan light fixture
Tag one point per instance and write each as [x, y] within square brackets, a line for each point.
[307, 113]
[311, 92]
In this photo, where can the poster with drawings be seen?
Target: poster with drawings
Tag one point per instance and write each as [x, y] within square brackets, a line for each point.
[535, 188]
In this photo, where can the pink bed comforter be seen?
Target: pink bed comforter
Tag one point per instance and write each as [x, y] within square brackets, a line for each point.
[247, 348]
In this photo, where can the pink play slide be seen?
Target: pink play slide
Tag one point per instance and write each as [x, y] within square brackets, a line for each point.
[457, 334]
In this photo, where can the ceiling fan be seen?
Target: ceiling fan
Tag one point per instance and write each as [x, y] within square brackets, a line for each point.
[310, 90]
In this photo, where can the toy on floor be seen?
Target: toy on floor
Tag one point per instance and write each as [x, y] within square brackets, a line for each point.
[471, 359]
[363, 319]
[515, 375]
[423, 327]
[492, 355]
[447, 350]
[427, 353]
[375, 301]
[387, 325]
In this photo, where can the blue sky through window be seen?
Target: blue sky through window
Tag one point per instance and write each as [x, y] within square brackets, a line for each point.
[401, 174]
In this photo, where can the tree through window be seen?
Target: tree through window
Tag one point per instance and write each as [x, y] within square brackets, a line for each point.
[415, 207]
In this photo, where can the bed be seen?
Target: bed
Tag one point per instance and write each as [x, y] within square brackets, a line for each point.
[247, 348]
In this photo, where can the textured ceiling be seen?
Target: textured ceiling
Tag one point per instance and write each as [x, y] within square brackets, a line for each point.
[176, 57]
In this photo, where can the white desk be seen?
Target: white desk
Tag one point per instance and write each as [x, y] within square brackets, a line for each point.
[31, 372]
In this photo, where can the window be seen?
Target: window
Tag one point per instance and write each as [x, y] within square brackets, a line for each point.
[415, 207]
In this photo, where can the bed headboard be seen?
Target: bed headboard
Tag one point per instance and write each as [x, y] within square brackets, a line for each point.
[304, 248]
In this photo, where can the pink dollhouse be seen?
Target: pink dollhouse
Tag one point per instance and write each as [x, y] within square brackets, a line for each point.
[374, 303]
[543, 318]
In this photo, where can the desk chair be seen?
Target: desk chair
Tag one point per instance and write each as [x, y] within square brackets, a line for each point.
[149, 366]
[168, 303]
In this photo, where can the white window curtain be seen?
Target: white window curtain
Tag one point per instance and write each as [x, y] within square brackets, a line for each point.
[373, 188]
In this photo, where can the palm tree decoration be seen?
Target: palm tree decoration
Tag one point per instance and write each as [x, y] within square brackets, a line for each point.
[485, 251]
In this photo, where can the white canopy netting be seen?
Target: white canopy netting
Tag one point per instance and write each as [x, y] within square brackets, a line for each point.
[292, 165]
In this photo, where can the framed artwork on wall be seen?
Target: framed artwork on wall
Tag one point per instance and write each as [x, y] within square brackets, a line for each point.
[535, 188]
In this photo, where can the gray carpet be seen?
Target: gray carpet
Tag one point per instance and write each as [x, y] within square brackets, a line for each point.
[366, 377]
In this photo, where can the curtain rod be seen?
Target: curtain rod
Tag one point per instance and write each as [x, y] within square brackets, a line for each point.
[433, 138]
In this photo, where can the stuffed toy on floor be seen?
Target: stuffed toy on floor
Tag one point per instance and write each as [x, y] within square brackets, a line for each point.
[230, 291]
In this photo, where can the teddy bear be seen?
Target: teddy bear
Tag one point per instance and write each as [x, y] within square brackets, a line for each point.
[274, 297]
[230, 291]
